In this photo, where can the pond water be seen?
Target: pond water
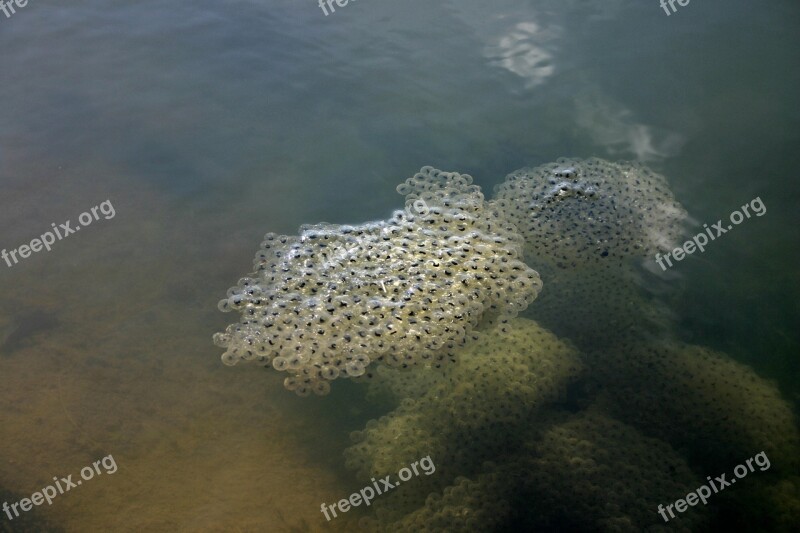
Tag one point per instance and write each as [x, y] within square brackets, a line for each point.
[193, 129]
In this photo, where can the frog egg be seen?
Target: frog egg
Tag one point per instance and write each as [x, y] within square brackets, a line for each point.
[230, 357]
[321, 388]
[354, 369]
[221, 339]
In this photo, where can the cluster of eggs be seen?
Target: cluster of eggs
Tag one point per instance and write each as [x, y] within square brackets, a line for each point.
[576, 212]
[403, 292]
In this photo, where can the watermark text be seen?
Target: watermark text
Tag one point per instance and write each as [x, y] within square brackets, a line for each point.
[329, 4]
[367, 494]
[48, 238]
[7, 7]
[671, 3]
[718, 484]
[63, 485]
[699, 241]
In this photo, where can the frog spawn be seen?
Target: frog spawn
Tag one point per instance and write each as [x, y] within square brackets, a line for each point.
[473, 411]
[574, 212]
[407, 291]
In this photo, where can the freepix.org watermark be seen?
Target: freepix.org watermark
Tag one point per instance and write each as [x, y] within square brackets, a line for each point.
[322, 3]
[62, 485]
[700, 240]
[48, 238]
[366, 495]
[7, 6]
[719, 483]
[671, 3]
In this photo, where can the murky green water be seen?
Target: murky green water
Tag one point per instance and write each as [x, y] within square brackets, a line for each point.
[208, 124]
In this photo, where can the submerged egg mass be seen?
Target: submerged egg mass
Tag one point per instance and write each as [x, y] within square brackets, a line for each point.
[408, 290]
[576, 212]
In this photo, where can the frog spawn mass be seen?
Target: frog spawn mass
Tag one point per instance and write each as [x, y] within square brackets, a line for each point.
[573, 213]
[518, 398]
[402, 292]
